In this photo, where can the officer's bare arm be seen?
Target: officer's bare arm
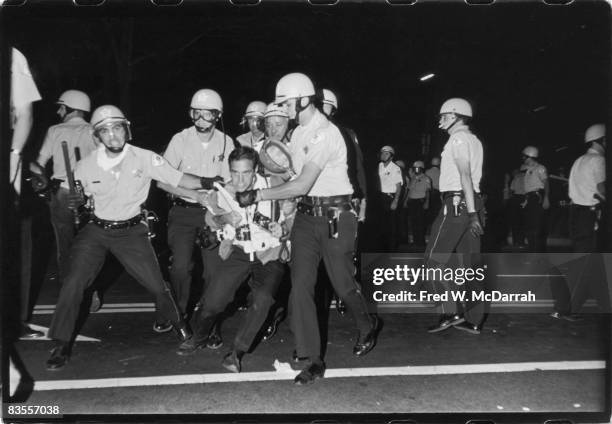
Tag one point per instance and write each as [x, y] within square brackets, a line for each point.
[23, 124]
[398, 191]
[178, 191]
[465, 174]
[298, 187]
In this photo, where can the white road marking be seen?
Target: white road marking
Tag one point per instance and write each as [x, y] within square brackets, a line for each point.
[45, 330]
[283, 373]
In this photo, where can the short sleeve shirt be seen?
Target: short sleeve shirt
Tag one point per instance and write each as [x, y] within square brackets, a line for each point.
[187, 153]
[517, 186]
[77, 134]
[118, 192]
[587, 171]
[321, 143]
[535, 178]
[23, 87]
[390, 176]
[419, 186]
[461, 144]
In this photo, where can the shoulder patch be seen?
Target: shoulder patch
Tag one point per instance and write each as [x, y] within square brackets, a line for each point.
[318, 137]
[157, 160]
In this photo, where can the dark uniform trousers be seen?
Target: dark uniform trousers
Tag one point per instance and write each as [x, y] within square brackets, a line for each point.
[587, 272]
[131, 246]
[183, 226]
[390, 218]
[220, 291]
[515, 218]
[450, 234]
[533, 214]
[435, 203]
[416, 214]
[310, 242]
[62, 220]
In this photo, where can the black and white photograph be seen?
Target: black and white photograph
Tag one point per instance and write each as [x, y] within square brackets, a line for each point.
[291, 211]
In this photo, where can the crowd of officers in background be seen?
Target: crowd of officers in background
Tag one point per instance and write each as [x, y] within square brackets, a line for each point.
[298, 174]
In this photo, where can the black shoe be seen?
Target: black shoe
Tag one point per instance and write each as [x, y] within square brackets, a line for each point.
[363, 346]
[446, 321]
[59, 357]
[96, 302]
[183, 331]
[27, 332]
[309, 374]
[296, 358]
[340, 307]
[468, 327]
[214, 341]
[231, 362]
[190, 346]
[162, 327]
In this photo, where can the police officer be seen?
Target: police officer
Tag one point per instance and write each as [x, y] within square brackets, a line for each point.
[536, 199]
[253, 119]
[200, 150]
[324, 227]
[78, 134]
[264, 268]
[276, 124]
[356, 170]
[117, 177]
[587, 192]
[23, 95]
[457, 227]
[417, 201]
[434, 200]
[391, 182]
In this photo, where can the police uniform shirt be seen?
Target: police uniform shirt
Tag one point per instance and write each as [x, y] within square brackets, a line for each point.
[535, 178]
[23, 88]
[390, 175]
[187, 153]
[321, 143]
[517, 186]
[461, 144]
[587, 171]
[248, 140]
[418, 186]
[119, 191]
[434, 174]
[77, 133]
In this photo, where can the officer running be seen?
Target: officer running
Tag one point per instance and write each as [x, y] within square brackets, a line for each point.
[117, 177]
[201, 150]
[457, 227]
[325, 225]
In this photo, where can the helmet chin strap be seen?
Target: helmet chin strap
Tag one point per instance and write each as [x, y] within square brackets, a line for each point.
[299, 108]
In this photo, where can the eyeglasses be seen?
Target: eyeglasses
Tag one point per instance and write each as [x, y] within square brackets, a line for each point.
[205, 114]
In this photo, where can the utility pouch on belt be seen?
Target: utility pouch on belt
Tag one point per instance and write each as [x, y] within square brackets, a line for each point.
[207, 238]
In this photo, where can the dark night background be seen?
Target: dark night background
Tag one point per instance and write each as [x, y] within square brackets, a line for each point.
[535, 74]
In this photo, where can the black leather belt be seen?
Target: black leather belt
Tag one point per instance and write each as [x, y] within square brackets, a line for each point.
[447, 194]
[116, 225]
[322, 210]
[185, 204]
[326, 200]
